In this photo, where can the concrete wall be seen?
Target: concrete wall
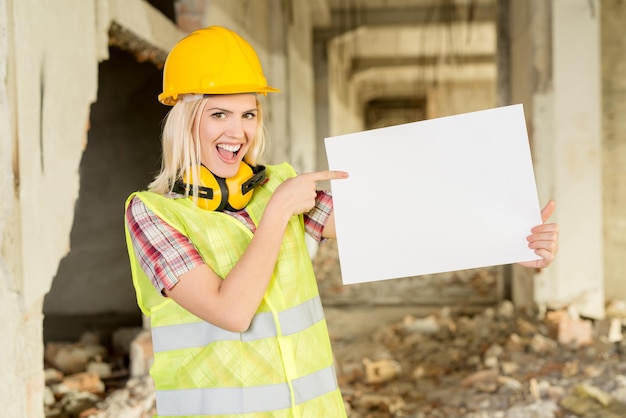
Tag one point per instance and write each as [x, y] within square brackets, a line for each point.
[301, 117]
[578, 167]
[454, 98]
[345, 112]
[49, 72]
[613, 14]
[528, 26]
[555, 66]
[50, 83]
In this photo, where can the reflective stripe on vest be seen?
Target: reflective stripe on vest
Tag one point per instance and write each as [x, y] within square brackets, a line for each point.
[199, 334]
[193, 402]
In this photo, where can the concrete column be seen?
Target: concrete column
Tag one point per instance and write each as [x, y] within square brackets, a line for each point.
[344, 115]
[301, 116]
[574, 160]
[278, 76]
[614, 137]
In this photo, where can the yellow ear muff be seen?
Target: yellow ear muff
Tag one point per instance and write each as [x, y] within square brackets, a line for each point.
[210, 190]
[237, 199]
[217, 194]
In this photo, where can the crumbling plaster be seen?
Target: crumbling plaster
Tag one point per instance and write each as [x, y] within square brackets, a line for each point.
[49, 58]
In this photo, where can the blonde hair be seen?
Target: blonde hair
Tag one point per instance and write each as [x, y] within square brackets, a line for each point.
[181, 145]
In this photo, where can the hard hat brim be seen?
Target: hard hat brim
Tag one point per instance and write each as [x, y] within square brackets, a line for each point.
[170, 98]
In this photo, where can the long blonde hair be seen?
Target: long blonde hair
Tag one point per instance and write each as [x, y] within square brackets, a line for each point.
[180, 142]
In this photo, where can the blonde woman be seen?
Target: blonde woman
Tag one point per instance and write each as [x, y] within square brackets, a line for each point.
[218, 254]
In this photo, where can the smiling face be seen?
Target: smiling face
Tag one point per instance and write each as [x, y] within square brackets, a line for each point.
[228, 126]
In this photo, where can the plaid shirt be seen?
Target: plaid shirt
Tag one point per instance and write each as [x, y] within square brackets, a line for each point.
[164, 253]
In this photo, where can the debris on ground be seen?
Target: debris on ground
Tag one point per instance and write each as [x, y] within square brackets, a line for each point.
[495, 362]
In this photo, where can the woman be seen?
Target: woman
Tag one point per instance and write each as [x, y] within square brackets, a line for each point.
[218, 255]
[223, 271]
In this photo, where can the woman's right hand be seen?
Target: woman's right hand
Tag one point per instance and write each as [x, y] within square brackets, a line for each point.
[297, 195]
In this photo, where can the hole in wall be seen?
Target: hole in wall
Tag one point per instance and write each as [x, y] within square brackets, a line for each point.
[166, 7]
[93, 290]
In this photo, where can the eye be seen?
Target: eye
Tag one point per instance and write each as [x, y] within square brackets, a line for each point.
[249, 115]
[218, 115]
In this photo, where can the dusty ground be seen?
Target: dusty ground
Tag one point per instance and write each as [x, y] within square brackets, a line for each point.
[449, 346]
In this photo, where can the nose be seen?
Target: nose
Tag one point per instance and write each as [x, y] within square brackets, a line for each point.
[235, 128]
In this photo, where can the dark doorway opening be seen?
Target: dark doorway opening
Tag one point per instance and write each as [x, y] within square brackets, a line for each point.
[93, 290]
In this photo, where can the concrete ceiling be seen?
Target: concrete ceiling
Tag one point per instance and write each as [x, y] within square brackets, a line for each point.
[387, 45]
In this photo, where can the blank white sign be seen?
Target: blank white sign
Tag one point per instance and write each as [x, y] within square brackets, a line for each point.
[439, 195]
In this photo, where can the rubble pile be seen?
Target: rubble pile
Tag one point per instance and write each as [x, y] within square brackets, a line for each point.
[493, 364]
[100, 377]
[491, 361]
[475, 356]
[497, 363]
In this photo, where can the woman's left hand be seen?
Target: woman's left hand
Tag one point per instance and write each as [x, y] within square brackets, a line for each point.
[544, 239]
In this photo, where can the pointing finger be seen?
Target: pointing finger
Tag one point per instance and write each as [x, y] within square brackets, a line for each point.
[327, 175]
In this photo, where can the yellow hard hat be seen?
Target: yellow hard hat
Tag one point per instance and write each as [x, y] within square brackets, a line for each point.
[213, 60]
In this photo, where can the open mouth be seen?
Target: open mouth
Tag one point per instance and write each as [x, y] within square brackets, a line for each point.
[228, 152]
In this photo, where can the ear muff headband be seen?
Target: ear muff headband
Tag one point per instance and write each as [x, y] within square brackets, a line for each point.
[218, 194]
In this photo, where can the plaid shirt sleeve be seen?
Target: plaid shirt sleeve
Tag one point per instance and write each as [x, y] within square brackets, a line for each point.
[163, 252]
[315, 220]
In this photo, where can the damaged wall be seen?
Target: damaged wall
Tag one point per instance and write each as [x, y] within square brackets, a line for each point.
[51, 81]
[121, 157]
[49, 66]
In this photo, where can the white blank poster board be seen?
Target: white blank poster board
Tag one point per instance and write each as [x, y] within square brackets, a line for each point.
[439, 195]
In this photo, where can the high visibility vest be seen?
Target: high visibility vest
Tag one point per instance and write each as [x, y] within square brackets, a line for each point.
[282, 366]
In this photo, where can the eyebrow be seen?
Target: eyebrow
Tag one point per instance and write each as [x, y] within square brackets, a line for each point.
[212, 109]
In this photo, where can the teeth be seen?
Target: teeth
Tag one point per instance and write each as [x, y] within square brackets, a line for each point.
[231, 148]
